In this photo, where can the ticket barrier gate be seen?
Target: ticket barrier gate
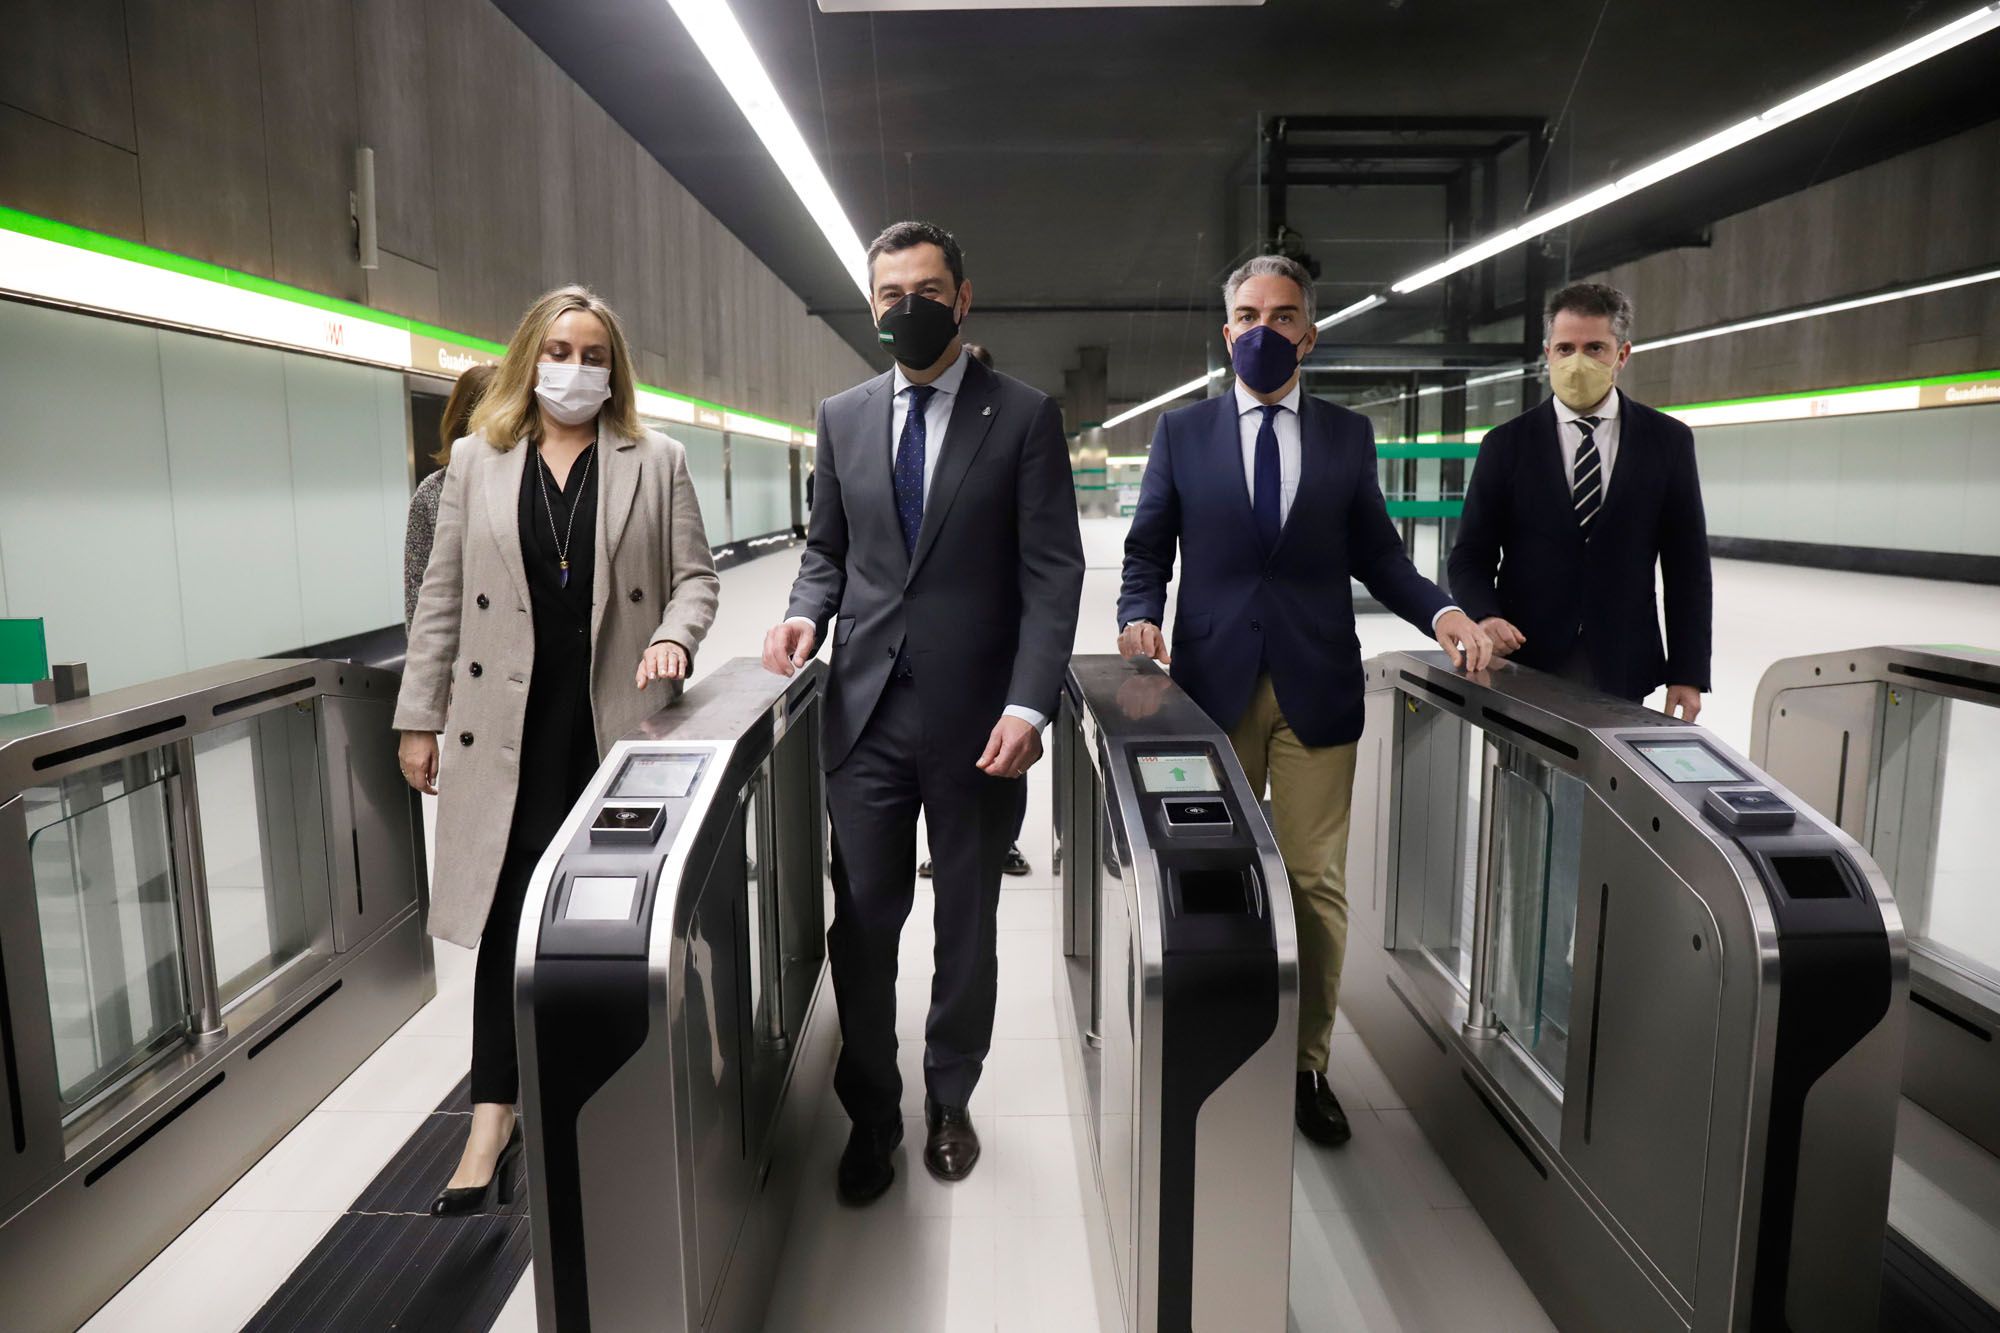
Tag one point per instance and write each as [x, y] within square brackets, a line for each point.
[668, 984]
[1900, 746]
[211, 893]
[1177, 979]
[1645, 1001]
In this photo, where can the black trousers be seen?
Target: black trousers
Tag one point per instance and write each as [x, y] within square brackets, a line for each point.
[873, 799]
[496, 1073]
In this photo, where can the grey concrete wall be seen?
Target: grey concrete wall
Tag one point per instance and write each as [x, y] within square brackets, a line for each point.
[226, 129]
[1927, 213]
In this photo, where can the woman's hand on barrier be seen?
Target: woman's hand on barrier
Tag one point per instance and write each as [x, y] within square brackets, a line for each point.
[665, 660]
[417, 754]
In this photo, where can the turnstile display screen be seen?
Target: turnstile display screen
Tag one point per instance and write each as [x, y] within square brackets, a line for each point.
[1177, 773]
[1687, 761]
[600, 898]
[659, 775]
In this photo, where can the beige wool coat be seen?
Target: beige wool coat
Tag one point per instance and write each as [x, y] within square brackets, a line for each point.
[472, 641]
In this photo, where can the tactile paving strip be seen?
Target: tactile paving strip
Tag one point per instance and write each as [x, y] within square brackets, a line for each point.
[388, 1264]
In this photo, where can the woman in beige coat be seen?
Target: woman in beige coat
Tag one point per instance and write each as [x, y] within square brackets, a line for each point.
[568, 587]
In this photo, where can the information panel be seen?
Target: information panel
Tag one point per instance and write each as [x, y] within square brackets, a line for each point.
[1177, 773]
[600, 898]
[1687, 761]
[663, 776]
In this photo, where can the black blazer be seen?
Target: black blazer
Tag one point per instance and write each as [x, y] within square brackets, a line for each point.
[1242, 612]
[987, 605]
[1521, 555]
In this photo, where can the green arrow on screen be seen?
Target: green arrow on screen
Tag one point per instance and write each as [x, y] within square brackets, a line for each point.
[1180, 774]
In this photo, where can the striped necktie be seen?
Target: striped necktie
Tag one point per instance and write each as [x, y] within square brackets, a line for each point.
[1586, 493]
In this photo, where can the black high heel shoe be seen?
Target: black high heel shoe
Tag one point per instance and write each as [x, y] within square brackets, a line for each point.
[500, 1185]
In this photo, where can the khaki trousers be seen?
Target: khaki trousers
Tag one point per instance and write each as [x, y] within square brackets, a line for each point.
[1311, 788]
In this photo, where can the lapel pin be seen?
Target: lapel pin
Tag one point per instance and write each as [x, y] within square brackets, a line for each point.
[986, 411]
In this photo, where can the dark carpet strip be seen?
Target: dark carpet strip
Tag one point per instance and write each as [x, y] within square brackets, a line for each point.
[1920, 1295]
[388, 1264]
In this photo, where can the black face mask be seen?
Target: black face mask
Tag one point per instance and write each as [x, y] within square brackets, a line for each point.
[916, 330]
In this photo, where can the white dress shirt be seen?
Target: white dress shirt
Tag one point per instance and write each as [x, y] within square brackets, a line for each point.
[937, 419]
[1250, 420]
[1605, 436]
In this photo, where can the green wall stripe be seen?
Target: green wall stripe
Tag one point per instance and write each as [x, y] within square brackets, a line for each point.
[117, 247]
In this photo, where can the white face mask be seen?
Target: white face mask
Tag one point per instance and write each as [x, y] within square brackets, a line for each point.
[570, 392]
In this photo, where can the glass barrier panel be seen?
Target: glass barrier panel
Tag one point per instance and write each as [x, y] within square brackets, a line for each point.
[1537, 844]
[101, 855]
[760, 485]
[1962, 913]
[262, 845]
[706, 468]
[1437, 856]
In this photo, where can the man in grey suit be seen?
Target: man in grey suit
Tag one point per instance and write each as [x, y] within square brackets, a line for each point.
[945, 554]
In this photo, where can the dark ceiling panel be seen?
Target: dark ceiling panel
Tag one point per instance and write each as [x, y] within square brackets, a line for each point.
[1093, 161]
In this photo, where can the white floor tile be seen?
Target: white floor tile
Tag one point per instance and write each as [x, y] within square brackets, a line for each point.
[1483, 1289]
[518, 1314]
[411, 1071]
[869, 1271]
[1433, 1177]
[324, 1164]
[1354, 1058]
[1044, 1277]
[216, 1275]
[1364, 1175]
[1024, 1076]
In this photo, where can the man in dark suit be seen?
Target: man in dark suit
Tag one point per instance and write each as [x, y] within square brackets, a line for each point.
[1572, 505]
[1272, 499]
[945, 553]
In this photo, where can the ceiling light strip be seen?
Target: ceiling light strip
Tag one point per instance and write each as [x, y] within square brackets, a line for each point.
[1865, 75]
[1161, 400]
[713, 26]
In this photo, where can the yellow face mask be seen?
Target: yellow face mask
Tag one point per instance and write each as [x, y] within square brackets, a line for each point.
[1581, 381]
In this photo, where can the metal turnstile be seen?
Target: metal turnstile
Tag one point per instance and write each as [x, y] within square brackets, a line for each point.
[1178, 973]
[667, 981]
[210, 914]
[1645, 1002]
[1900, 746]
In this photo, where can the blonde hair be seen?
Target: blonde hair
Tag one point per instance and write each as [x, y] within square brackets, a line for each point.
[456, 423]
[509, 411]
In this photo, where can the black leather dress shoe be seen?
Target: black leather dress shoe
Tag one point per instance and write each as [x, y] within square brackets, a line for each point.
[498, 1191]
[924, 869]
[1015, 864]
[1318, 1112]
[865, 1169]
[953, 1146]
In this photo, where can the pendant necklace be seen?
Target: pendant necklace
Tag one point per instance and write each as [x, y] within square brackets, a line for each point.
[562, 539]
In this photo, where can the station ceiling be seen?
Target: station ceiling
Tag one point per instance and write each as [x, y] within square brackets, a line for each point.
[1100, 166]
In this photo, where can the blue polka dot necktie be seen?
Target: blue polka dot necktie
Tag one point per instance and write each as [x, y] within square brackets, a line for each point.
[910, 466]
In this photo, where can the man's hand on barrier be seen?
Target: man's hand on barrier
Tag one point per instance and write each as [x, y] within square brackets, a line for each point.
[1506, 639]
[1468, 646]
[1012, 749]
[1142, 638]
[1685, 698]
[789, 646]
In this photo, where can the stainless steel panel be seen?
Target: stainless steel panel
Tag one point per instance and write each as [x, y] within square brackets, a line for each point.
[371, 819]
[1822, 743]
[713, 1055]
[1642, 1057]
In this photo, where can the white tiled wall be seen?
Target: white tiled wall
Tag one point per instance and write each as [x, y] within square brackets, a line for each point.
[1914, 481]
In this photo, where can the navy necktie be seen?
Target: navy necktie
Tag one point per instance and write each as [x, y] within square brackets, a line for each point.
[910, 466]
[1265, 503]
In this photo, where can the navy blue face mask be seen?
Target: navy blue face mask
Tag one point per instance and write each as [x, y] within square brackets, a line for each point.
[1264, 359]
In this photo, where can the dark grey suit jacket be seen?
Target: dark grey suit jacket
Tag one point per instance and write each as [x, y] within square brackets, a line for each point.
[988, 603]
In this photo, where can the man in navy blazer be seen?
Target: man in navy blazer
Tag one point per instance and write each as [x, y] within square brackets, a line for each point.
[1571, 506]
[1271, 497]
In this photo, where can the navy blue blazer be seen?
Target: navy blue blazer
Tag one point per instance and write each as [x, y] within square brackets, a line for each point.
[1290, 612]
[1521, 555]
